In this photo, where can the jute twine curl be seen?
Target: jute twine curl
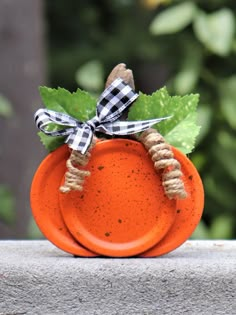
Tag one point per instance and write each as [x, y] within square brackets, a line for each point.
[159, 150]
[164, 161]
[74, 176]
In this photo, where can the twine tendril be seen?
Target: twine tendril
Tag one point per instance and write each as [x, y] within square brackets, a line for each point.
[164, 161]
[74, 177]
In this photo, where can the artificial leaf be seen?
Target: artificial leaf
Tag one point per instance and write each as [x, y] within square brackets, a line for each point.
[80, 104]
[7, 205]
[50, 143]
[91, 76]
[54, 98]
[174, 19]
[5, 107]
[228, 100]
[216, 30]
[180, 130]
[183, 135]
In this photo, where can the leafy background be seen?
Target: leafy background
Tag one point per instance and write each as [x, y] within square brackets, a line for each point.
[187, 46]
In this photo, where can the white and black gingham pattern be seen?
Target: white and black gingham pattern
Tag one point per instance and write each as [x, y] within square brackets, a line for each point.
[113, 101]
[43, 117]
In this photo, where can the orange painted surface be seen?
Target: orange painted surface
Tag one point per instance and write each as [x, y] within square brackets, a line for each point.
[188, 213]
[122, 210]
[45, 204]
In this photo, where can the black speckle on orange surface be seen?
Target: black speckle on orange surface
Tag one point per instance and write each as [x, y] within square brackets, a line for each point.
[190, 177]
[178, 210]
[107, 234]
[100, 167]
[82, 196]
[119, 220]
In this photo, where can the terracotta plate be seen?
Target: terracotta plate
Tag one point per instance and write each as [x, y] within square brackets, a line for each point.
[188, 211]
[122, 210]
[45, 203]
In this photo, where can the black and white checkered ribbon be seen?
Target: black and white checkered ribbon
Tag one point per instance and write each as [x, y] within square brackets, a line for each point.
[112, 102]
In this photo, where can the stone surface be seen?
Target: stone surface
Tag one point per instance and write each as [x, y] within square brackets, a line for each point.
[37, 278]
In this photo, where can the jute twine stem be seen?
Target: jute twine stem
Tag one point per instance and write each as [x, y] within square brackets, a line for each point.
[164, 161]
[74, 177]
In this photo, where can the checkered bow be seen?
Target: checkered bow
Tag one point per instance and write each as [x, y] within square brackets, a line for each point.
[112, 102]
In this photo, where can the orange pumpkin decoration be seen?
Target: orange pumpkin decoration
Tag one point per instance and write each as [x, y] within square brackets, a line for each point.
[122, 210]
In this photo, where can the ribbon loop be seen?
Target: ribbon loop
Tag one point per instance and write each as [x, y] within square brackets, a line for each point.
[112, 102]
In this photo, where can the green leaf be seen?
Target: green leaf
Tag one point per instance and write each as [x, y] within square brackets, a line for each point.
[53, 98]
[183, 135]
[228, 100]
[50, 143]
[5, 107]
[174, 19]
[7, 205]
[216, 30]
[181, 129]
[91, 76]
[80, 105]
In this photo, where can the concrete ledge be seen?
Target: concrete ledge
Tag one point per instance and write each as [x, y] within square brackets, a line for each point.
[37, 278]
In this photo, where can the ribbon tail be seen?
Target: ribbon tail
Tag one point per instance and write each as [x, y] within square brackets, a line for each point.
[121, 128]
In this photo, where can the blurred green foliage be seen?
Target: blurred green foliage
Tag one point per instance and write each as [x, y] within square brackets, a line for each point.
[190, 46]
[5, 107]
